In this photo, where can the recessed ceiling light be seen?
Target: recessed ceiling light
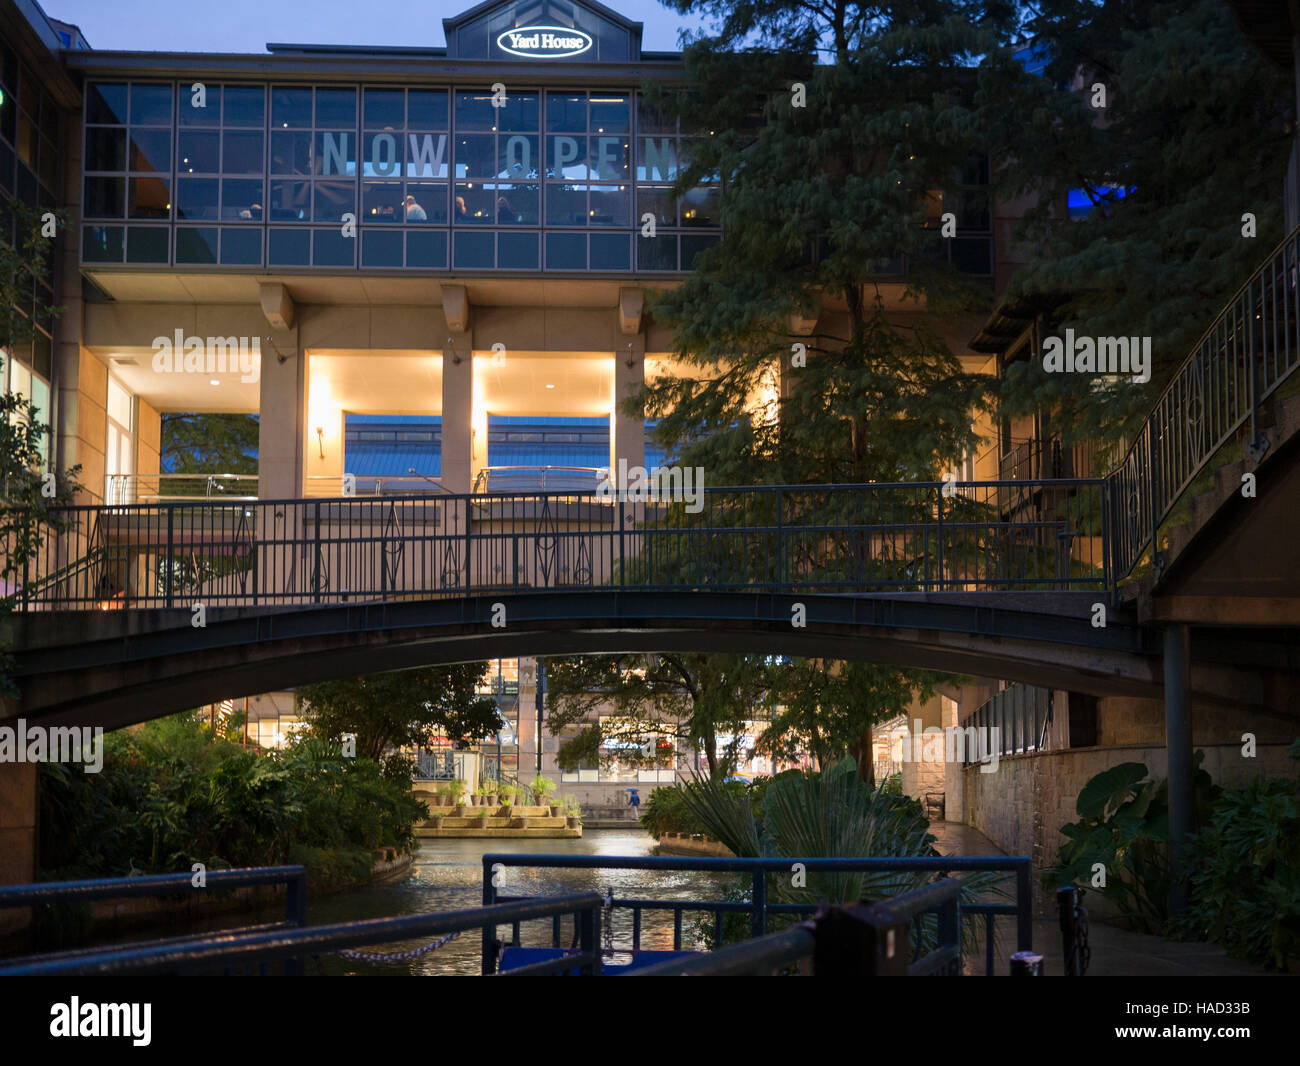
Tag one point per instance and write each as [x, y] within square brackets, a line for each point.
[214, 381]
[550, 386]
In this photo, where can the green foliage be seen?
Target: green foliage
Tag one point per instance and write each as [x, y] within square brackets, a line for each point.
[832, 814]
[688, 697]
[541, 788]
[172, 794]
[402, 709]
[664, 812]
[1245, 873]
[1124, 826]
[1196, 125]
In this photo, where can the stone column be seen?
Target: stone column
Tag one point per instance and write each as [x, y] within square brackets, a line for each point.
[458, 412]
[627, 432]
[281, 416]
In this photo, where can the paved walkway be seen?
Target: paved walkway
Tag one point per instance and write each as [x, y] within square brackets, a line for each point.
[1116, 952]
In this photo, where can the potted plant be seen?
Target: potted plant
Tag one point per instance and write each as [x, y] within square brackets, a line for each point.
[507, 798]
[489, 794]
[479, 821]
[541, 787]
[435, 821]
[573, 812]
[457, 792]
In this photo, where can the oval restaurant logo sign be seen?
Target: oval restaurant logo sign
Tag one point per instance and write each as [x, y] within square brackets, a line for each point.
[544, 42]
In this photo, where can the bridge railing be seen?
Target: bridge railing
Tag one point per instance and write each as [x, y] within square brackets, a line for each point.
[976, 536]
[1240, 360]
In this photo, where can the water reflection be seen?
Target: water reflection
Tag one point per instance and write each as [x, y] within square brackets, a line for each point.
[447, 875]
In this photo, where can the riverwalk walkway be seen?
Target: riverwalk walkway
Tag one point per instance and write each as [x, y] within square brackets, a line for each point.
[1116, 952]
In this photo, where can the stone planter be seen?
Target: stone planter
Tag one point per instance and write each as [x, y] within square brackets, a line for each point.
[490, 800]
[575, 822]
[505, 811]
[460, 810]
[557, 812]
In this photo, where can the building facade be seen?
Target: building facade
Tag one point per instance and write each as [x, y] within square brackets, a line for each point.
[423, 269]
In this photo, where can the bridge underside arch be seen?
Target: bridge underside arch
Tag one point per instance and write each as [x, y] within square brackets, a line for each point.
[117, 668]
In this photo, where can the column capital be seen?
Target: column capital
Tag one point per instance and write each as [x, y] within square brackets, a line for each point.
[456, 307]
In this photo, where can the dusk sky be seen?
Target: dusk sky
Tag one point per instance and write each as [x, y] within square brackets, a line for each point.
[247, 25]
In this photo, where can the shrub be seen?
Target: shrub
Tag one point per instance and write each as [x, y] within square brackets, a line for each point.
[1245, 873]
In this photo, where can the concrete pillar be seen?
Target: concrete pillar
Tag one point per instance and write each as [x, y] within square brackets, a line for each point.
[458, 413]
[627, 432]
[17, 830]
[1178, 744]
[281, 417]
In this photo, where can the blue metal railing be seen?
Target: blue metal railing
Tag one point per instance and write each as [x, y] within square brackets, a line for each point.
[758, 907]
[43, 893]
[863, 941]
[242, 951]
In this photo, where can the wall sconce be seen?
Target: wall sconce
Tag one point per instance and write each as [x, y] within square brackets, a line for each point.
[631, 357]
[320, 440]
[455, 357]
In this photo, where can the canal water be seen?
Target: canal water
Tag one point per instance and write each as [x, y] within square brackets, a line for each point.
[448, 875]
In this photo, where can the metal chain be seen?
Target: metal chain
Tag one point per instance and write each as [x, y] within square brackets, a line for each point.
[399, 956]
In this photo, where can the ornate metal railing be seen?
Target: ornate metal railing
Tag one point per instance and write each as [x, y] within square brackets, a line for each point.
[1240, 360]
[1022, 716]
[802, 539]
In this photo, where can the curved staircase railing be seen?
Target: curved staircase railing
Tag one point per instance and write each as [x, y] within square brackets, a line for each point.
[1247, 352]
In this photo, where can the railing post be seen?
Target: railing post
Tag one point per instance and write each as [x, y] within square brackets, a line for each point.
[759, 904]
[489, 960]
[315, 579]
[780, 541]
[1024, 910]
[938, 576]
[622, 542]
[171, 572]
[1066, 901]
[466, 500]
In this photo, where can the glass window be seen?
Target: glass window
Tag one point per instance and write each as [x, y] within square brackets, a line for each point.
[241, 246]
[106, 104]
[429, 200]
[290, 201]
[474, 204]
[566, 205]
[383, 155]
[332, 200]
[150, 198]
[566, 251]
[656, 253]
[245, 105]
[289, 247]
[474, 111]
[241, 153]
[147, 244]
[473, 251]
[197, 198]
[200, 153]
[241, 199]
[151, 150]
[105, 149]
[291, 153]
[190, 113]
[611, 205]
[291, 109]
[381, 201]
[382, 248]
[611, 251]
[426, 109]
[196, 244]
[331, 248]
[336, 108]
[151, 105]
[384, 109]
[426, 249]
[336, 153]
[102, 244]
[516, 251]
[105, 197]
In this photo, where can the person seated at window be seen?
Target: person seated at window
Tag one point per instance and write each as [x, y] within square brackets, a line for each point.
[505, 213]
[414, 212]
[255, 211]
